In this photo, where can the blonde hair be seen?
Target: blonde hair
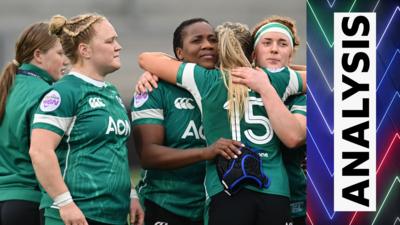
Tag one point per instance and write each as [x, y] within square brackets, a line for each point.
[34, 37]
[287, 21]
[234, 49]
[72, 32]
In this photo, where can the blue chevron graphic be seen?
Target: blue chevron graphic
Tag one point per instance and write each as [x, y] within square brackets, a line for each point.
[390, 21]
[331, 215]
[387, 69]
[350, 9]
[331, 4]
[397, 94]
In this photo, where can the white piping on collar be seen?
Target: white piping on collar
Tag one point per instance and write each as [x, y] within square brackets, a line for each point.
[88, 79]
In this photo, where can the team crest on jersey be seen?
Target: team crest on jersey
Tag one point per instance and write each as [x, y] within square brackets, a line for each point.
[50, 102]
[140, 99]
[184, 103]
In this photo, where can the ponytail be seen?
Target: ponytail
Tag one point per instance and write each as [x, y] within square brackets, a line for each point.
[36, 36]
[6, 81]
[234, 41]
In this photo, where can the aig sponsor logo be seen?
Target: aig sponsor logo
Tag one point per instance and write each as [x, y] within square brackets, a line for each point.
[96, 103]
[184, 103]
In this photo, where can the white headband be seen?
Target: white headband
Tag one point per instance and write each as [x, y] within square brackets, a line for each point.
[273, 27]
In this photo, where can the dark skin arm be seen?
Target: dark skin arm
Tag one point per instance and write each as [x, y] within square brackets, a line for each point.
[149, 141]
[162, 65]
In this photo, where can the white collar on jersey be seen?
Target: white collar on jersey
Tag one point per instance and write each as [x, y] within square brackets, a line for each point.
[88, 79]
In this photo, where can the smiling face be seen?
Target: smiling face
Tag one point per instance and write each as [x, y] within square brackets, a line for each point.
[273, 51]
[199, 45]
[105, 49]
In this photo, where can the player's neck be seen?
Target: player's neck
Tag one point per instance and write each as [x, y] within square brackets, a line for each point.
[88, 71]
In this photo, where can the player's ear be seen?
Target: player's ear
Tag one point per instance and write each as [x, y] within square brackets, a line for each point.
[84, 50]
[179, 53]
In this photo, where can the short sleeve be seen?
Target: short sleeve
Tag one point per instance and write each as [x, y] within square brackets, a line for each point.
[287, 82]
[56, 111]
[297, 104]
[147, 108]
[197, 80]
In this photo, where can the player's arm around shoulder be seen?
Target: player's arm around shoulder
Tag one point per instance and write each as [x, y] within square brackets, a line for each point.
[160, 64]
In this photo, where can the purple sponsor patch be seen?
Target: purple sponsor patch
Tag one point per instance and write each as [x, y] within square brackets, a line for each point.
[140, 99]
[50, 102]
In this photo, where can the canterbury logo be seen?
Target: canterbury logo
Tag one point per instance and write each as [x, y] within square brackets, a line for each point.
[160, 223]
[184, 103]
[96, 103]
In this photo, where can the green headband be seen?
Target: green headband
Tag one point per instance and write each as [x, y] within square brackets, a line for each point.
[273, 27]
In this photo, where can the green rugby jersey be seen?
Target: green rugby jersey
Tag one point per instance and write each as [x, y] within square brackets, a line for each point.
[94, 125]
[17, 178]
[180, 191]
[254, 129]
[292, 159]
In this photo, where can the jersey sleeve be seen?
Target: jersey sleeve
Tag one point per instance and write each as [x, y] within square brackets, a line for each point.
[148, 108]
[56, 111]
[35, 104]
[297, 104]
[286, 82]
[196, 79]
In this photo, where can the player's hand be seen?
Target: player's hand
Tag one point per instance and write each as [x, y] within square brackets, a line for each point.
[227, 148]
[72, 215]
[136, 213]
[255, 79]
[146, 82]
